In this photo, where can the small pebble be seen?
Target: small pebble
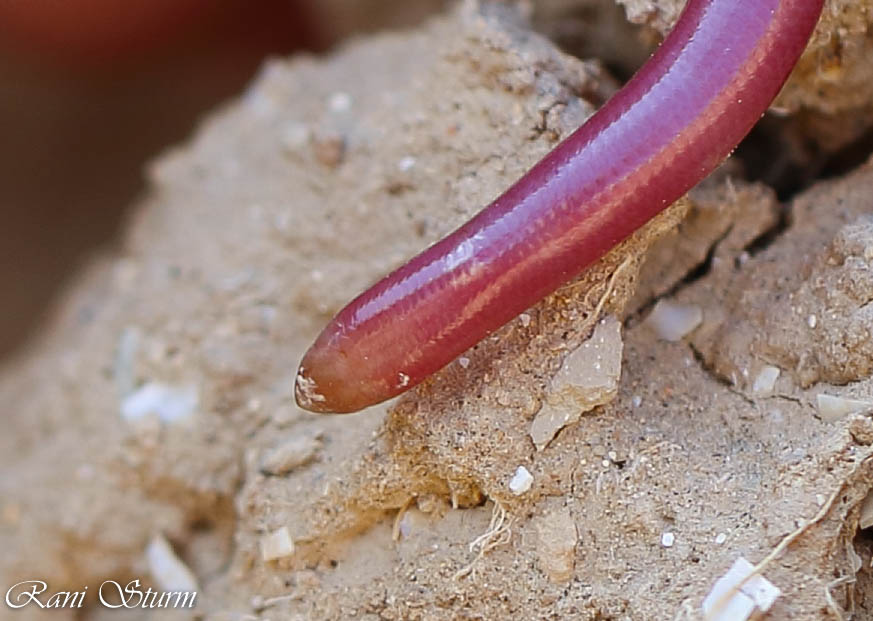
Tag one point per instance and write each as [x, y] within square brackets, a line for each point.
[556, 544]
[464, 362]
[329, 149]
[832, 408]
[668, 539]
[672, 321]
[277, 544]
[521, 481]
[588, 378]
[168, 571]
[169, 403]
[406, 163]
[339, 102]
[812, 321]
[720, 538]
[766, 380]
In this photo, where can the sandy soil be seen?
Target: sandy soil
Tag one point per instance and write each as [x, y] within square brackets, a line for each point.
[158, 403]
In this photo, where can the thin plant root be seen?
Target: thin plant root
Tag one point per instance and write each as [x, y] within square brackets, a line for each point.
[833, 606]
[499, 533]
[790, 538]
[611, 285]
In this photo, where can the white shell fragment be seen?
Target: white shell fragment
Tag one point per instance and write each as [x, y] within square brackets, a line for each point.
[557, 538]
[521, 481]
[672, 321]
[339, 102]
[169, 403]
[588, 378]
[766, 380]
[277, 544]
[832, 408]
[406, 163]
[726, 604]
[125, 360]
[412, 522]
[293, 453]
[865, 520]
[167, 570]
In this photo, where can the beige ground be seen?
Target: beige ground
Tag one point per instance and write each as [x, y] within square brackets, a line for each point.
[326, 175]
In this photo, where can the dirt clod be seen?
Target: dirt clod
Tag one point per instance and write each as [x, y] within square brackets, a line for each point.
[250, 238]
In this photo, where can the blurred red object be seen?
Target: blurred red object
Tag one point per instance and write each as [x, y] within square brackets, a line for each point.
[89, 91]
[97, 34]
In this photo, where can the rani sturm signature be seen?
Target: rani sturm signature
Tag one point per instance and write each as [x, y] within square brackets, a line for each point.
[110, 594]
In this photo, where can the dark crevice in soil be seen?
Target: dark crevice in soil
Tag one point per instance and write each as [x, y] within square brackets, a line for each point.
[598, 31]
[769, 236]
[863, 587]
[700, 359]
[782, 153]
[772, 155]
[848, 158]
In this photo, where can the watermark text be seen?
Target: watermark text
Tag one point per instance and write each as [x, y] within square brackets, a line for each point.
[110, 594]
